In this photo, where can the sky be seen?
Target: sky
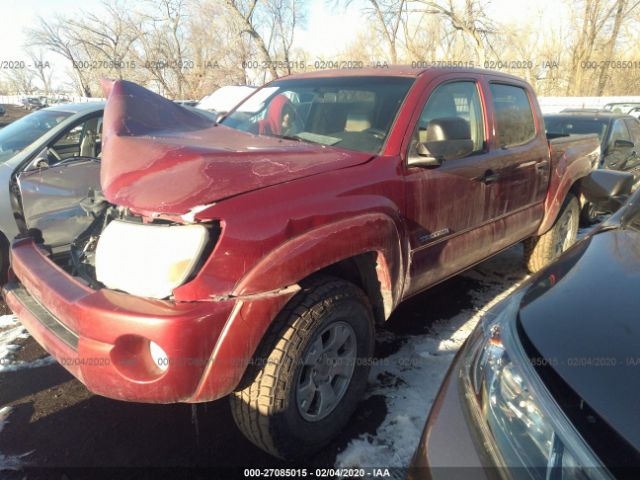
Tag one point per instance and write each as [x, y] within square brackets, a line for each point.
[24, 14]
[326, 32]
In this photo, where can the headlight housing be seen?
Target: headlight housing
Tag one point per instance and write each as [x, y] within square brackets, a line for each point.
[148, 260]
[521, 424]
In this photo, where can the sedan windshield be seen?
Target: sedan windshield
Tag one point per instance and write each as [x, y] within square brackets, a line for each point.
[16, 136]
[568, 125]
[355, 113]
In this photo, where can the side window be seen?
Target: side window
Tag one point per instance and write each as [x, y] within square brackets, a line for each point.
[618, 132]
[515, 123]
[634, 130]
[451, 124]
[81, 140]
[72, 137]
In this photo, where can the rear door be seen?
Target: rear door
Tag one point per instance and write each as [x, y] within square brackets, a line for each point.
[521, 162]
[50, 196]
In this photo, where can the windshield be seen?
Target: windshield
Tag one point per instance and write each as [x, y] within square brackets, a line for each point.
[355, 113]
[572, 125]
[16, 136]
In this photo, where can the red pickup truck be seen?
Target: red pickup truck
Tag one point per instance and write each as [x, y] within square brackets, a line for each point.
[253, 257]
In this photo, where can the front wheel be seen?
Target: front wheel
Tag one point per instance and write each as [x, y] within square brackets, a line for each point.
[542, 250]
[310, 371]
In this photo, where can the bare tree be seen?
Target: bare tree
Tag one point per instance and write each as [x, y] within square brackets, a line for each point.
[469, 18]
[53, 35]
[389, 15]
[21, 80]
[594, 15]
[285, 14]
[162, 41]
[108, 37]
[622, 11]
[42, 70]
[243, 12]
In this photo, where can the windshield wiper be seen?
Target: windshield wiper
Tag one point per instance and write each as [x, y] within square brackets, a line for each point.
[295, 138]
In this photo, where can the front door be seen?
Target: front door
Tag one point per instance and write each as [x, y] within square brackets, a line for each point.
[51, 198]
[446, 204]
[619, 152]
[51, 193]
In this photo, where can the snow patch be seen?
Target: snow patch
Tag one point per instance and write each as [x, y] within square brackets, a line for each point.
[39, 362]
[419, 368]
[10, 331]
[8, 462]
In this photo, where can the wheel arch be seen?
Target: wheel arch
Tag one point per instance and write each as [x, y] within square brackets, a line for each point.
[553, 205]
[365, 250]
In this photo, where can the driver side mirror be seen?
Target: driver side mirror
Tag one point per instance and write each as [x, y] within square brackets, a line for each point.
[433, 154]
[220, 116]
[446, 138]
[423, 157]
[607, 189]
[40, 161]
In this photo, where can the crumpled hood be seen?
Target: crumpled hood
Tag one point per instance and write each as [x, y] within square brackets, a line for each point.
[160, 157]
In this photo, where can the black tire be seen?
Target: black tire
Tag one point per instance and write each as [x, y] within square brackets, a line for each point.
[542, 250]
[266, 407]
[588, 215]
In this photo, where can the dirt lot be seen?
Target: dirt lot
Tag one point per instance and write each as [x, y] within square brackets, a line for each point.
[54, 423]
[13, 112]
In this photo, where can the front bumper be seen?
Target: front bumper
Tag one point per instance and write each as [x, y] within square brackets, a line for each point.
[447, 448]
[101, 336]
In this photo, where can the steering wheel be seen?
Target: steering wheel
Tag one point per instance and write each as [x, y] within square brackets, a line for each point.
[54, 154]
[295, 124]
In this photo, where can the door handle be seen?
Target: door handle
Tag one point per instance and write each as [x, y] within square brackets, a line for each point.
[540, 166]
[489, 177]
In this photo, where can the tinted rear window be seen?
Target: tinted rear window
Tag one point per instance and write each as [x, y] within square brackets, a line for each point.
[514, 117]
[569, 125]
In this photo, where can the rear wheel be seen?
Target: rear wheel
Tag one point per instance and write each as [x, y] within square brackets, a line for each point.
[542, 250]
[310, 372]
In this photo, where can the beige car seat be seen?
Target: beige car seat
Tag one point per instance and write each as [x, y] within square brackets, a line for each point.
[88, 145]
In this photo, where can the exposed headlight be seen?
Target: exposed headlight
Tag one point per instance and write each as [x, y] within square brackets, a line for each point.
[148, 260]
[522, 426]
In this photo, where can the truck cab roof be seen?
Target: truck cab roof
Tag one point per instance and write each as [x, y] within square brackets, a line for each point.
[418, 70]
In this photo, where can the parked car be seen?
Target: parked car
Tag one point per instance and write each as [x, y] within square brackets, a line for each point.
[32, 103]
[582, 110]
[48, 161]
[2, 110]
[635, 112]
[253, 258]
[58, 100]
[545, 386]
[187, 103]
[619, 139]
[225, 98]
[620, 107]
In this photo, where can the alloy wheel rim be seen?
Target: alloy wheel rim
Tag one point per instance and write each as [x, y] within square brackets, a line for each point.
[327, 369]
[565, 239]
